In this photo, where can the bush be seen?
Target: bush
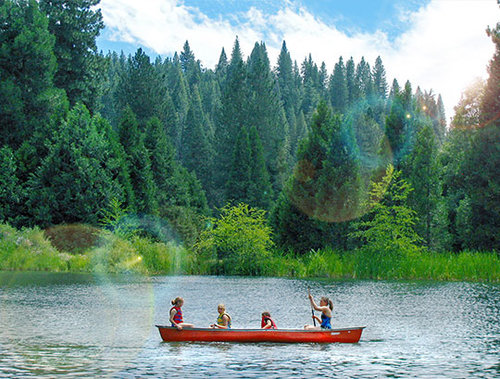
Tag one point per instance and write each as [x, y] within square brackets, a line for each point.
[238, 241]
[74, 238]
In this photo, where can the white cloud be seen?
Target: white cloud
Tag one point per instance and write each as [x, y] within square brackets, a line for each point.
[444, 48]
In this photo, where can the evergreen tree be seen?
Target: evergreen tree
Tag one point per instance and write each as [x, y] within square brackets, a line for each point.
[233, 116]
[265, 111]
[162, 156]
[140, 88]
[325, 186]
[139, 163]
[260, 192]
[363, 80]
[338, 88]
[74, 182]
[482, 179]
[76, 25]
[240, 174]
[196, 150]
[352, 89]
[28, 100]
[379, 79]
[424, 179]
[9, 185]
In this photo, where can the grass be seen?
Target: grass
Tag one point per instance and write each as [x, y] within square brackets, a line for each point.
[32, 249]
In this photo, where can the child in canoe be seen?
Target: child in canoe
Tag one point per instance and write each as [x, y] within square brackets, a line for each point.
[176, 314]
[267, 322]
[224, 320]
[326, 307]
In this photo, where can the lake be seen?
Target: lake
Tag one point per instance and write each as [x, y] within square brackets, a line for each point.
[82, 325]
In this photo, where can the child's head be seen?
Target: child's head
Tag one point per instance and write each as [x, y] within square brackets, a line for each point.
[325, 300]
[266, 314]
[221, 308]
[178, 301]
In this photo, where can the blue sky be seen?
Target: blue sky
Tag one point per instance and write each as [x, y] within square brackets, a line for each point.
[436, 44]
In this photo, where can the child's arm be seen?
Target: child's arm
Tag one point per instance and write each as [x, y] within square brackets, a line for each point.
[173, 312]
[268, 325]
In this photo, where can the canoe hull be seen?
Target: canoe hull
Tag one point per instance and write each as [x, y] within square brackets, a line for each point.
[348, 335]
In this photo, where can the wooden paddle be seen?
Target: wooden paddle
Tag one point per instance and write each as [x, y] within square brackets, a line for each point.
[312, 309]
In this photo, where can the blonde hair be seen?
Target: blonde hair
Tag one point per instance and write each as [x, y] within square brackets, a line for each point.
[222, 306]
[177, 300]
[328, 301]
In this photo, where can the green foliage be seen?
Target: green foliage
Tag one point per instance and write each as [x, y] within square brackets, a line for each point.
[29, 250]
[9, 186]
[76, 25]
[239, 241]
[391, 228]
[28, 98]
[117, 219]
[139, 164]
[424, 179]
[76, 179]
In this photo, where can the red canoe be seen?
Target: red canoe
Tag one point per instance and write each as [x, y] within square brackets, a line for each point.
[347, 335]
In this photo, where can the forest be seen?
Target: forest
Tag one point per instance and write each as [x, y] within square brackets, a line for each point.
[303, 161]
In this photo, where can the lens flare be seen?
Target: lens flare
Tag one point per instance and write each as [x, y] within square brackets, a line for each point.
[337, 190]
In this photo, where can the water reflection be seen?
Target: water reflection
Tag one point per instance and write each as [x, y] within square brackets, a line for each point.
[65, 324]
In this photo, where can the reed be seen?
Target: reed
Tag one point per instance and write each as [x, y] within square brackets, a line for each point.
[31, 250]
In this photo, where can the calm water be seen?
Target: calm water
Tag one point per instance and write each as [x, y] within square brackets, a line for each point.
[83, 325]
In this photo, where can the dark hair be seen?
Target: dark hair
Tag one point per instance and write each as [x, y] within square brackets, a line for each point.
[266, 313]
[330, 304]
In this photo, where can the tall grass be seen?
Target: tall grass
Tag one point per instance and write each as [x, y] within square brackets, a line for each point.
[31, 250]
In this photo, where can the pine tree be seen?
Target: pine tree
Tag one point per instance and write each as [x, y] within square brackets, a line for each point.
[233, 116]
[424, 179]
[140, 88]
[481, 169]
[352, 89]
[363, 80]
[240, 173]
[74, 182]
[338, 88]
[76, 24]
[196, 150]
[9, 186]
[260, 192]
[139, 163]
[28, 99]
[162, 156]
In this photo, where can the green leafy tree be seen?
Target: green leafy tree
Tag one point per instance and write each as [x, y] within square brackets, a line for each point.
[238, 241]
[391, 229]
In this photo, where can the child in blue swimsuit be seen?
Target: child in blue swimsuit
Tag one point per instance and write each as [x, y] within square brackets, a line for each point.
[326, 307]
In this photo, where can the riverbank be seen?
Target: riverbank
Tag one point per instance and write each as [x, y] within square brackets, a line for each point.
[32, 250]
